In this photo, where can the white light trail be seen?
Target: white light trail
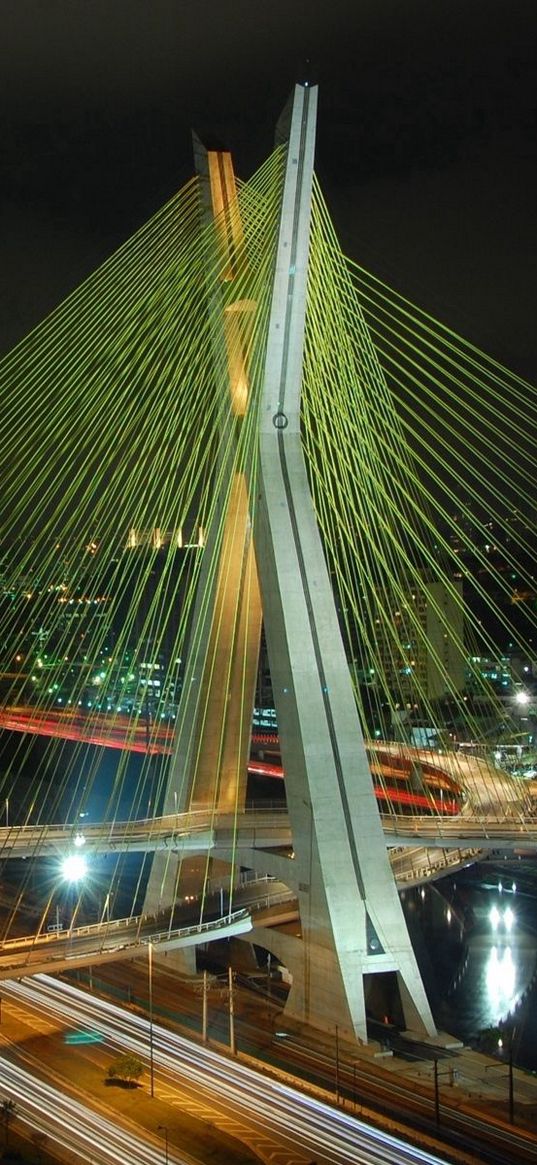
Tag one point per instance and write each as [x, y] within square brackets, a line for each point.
[262, 1106]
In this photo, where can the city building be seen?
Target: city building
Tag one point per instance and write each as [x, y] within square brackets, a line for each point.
[418, 640]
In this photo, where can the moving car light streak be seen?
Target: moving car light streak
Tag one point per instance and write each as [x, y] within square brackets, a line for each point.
[119, 733]
[75, 1126]
[263, 1107]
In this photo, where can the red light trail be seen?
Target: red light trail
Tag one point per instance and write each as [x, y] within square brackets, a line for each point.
[121, 733]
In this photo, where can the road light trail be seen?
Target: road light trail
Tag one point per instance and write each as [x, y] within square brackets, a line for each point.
[263, 1108]
[77, 1127]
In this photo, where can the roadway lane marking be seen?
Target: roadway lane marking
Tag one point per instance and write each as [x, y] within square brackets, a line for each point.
[264, 1146]
[33, 1020]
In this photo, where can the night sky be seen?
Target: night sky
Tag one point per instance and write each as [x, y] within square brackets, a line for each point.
[427, 139]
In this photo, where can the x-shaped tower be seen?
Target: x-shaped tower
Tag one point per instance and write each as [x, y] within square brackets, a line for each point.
[270, 562]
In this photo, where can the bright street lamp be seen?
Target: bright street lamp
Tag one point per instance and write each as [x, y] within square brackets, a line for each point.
[74, 867]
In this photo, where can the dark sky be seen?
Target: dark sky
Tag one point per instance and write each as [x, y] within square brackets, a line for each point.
[427, 138]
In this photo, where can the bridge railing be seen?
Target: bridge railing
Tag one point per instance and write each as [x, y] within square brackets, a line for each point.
[117, 926]
[60, 933]
[433, 867]
[191, 820]
[197, 928]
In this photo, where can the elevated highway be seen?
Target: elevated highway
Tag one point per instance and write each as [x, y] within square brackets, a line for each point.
[259, 828]
[421, 850]
[105, 942]
[112, 940]
[490, 815]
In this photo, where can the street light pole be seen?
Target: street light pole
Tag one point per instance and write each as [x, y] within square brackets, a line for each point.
[337, 1064]
[511, 1079]
[204, 1011]
[231, 1014]
[436, 1095]
[511, 1085]
[151, 1063]
[164, 1129]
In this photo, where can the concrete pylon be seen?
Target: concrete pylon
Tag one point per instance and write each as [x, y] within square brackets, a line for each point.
[209, 763]
[352, 922]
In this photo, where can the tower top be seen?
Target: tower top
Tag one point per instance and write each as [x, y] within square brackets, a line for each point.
[307, 76]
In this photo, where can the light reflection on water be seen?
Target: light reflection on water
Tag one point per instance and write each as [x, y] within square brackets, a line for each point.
[496, 976]
[485, 957]
[501, 983]
[483, 944]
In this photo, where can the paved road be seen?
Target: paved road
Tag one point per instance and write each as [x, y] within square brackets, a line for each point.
[284, 1126]
[75, 1127]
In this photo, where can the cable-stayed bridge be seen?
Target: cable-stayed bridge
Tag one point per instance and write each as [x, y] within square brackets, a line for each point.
[231, 435]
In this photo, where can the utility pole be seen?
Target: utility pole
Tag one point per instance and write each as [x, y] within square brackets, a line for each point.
[151, 1063]
[511, 1085]
[204, 1010]
[337, 1064]
[231, 1014]
[436, 1095]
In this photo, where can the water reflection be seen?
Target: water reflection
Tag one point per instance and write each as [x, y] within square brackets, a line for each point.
[498, 920]
[500, 980]
[479, 938]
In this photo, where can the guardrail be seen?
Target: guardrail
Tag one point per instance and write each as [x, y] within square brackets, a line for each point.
[509, 826]
[116, 926]
[423, 873]
[197, 928]
[174, 822]
[89, 929]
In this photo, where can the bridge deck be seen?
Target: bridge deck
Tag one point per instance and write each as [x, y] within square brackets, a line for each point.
[199, 831]
[106, 942]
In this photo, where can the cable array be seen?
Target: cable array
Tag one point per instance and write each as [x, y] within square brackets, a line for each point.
[120, 445]
[419, 450]
[128, 434]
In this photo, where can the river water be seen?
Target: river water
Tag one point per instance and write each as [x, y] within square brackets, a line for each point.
[475, 936]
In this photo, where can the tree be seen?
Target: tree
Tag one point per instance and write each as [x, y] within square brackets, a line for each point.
[127, 1068]
[488, 1039]
[8, 1109]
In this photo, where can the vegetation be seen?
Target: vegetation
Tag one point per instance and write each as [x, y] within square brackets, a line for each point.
[489, 1039]
[8, 1109]
[126, 1069]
